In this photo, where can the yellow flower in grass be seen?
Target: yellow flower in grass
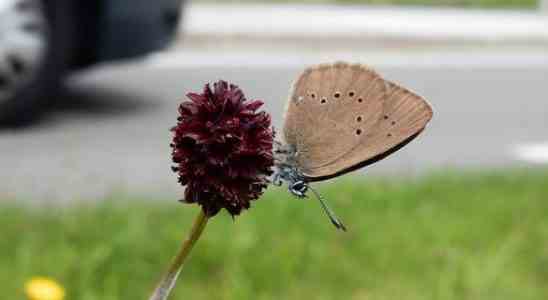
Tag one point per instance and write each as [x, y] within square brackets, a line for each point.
[40, 288]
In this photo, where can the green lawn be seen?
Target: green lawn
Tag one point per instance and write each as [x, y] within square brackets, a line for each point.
[458, 3]
[444, 236]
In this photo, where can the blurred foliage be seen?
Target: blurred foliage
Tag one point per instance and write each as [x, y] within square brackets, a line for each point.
[446, 236]
[456, 3]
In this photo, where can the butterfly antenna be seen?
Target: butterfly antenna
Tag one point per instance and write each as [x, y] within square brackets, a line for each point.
[330, 214]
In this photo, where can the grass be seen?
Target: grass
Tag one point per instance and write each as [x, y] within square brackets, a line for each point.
[456, 3]
[445, 236]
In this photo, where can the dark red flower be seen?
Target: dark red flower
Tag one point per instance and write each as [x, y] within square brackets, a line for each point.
[223, 149]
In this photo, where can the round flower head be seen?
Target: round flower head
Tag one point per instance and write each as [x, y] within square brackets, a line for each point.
[223, 149]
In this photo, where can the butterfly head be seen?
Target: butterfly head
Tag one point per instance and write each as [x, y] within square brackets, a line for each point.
[299, 188]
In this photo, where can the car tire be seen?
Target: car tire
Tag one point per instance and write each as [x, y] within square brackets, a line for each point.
[28, 99]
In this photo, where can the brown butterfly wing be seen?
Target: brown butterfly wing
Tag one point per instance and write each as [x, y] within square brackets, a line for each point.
[320, 99]
[370, 119]
[404, 116]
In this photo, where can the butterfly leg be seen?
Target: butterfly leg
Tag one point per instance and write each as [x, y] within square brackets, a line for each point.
[277, 180]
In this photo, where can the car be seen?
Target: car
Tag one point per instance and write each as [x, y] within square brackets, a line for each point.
[41, 41]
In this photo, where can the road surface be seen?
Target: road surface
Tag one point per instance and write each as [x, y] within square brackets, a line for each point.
[110, 134]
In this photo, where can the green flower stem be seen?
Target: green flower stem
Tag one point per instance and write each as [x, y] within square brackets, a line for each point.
[168, 281]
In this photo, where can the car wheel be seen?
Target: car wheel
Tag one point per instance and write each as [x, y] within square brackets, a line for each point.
[34, 54]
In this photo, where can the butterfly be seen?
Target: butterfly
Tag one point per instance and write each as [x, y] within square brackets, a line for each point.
[341, 117]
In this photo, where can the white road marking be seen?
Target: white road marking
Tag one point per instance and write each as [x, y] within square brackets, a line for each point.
[532, 153]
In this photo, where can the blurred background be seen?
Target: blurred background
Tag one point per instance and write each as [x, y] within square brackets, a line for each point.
[89, 91]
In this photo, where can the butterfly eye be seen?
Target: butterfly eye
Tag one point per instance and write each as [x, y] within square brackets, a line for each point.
[324, 100]
[351, 94]
[337, 95]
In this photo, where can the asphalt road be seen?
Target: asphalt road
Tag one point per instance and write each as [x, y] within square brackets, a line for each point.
[110, 134]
